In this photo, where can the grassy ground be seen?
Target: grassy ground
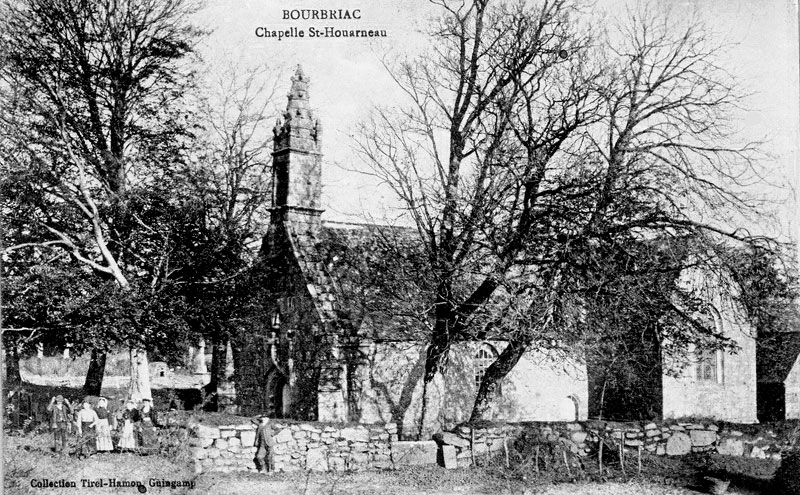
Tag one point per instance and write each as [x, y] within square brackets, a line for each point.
[71, 372]
[29, 457]
[418, 481]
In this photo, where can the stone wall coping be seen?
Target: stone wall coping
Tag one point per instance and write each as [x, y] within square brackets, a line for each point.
[301, 445]
[285, 423]
[349, 446]
[659, 437]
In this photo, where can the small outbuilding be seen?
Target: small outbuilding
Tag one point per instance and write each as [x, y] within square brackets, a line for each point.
[159, 369]
[778, 368]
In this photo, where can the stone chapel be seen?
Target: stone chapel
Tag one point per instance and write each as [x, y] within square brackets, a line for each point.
[325, 357]
[332, 350]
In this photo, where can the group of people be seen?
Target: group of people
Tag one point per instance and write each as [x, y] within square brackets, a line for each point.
[134, 427]
[95, 426]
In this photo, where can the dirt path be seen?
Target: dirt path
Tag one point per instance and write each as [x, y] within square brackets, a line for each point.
[27, 460]
[396, 484]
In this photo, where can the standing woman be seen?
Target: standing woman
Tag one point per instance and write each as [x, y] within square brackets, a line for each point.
[86, 423]
[103, 428]
[149, 423]
[130, 416]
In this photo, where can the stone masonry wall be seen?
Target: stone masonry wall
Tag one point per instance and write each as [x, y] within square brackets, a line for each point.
[731, 396]
[300, 446]
[328, 447]
[792, 392]
[392, 377]
[584, 437]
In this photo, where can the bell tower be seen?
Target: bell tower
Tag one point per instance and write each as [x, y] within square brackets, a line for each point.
[297, 157]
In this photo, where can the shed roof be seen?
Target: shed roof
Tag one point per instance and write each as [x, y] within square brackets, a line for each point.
[777, 355]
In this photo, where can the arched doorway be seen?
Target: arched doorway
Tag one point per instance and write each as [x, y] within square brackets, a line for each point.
[278, 395]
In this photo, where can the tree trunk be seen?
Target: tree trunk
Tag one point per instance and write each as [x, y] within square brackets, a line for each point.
[140, 376]
[198, 360]
[602, 397]
[219, 363]
[494, 373]
[424, 408]
[436, 356]
[95, 373]
[13, 376]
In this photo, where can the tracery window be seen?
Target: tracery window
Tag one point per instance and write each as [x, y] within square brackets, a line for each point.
[709, 367]
[485, 356]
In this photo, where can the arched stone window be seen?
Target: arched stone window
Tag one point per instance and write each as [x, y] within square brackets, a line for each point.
[707, 366]
[485, 356]
[710, 362]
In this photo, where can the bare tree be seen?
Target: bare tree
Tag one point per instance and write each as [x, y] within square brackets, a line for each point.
[92, 94]
[530, 143]
[230, 181]
[441, 153]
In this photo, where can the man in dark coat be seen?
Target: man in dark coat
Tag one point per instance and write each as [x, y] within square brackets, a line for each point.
[60, 420]
[264, 445]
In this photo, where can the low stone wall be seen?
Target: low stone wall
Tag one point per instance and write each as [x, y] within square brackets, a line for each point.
[327, 447]
[298, 446]
[582, 438]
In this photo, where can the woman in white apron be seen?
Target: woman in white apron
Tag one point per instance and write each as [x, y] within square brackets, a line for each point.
[130, 416]
[86, 421]
[103, 429]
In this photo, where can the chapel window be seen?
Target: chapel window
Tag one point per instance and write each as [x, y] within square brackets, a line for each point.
[709, 367]
[485, 356]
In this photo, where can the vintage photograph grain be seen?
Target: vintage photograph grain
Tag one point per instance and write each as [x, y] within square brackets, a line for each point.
[400, 246]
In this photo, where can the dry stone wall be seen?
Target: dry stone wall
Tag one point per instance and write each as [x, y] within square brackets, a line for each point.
[332, 447]
[583, 438]
[298, 446]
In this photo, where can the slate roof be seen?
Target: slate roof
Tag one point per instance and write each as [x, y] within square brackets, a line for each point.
[777, 354]
[364, 279]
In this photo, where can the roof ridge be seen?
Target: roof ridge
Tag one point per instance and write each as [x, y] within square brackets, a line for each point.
[366, 224]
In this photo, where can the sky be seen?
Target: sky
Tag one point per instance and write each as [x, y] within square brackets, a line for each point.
[348, 78]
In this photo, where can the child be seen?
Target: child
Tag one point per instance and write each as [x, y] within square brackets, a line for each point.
[264, 444]
[60, 417]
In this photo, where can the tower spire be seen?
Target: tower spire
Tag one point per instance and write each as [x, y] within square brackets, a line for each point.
[298, 95]
[297, 151]
[299, 129]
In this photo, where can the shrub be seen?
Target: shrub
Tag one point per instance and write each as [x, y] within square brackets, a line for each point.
[55, 366]
[533, 453]
[787, 481]
[118, 364]
[174, 443]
